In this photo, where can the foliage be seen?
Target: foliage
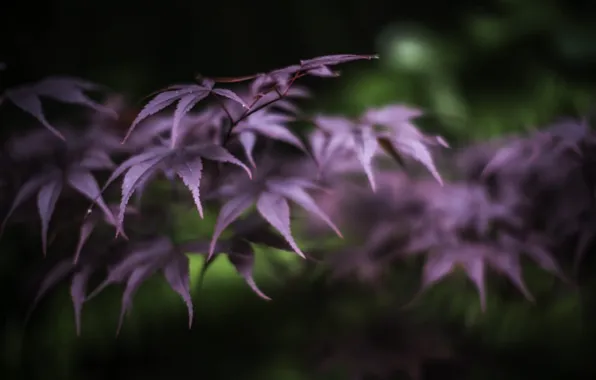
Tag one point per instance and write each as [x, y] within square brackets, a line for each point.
[487, 213]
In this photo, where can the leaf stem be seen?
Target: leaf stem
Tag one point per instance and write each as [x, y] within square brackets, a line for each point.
[251, 110]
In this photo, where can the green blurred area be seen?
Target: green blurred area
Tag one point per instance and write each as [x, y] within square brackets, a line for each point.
[490, 69]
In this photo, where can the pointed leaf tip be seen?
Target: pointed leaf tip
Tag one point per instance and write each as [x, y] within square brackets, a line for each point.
[275, 210]
[243, 261]
[177, 276]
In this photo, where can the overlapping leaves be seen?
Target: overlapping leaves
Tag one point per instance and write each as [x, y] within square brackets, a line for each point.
[175, 147]
[65, 163]
[389, 128]
[455, 225]
[186, 96]
[270, 192]
[486, 224]
[141, 258]
[185, 162]
[63, 89]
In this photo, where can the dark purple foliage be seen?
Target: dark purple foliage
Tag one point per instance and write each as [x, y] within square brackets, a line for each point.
[63, 89]
[63, 163]
[487, 214]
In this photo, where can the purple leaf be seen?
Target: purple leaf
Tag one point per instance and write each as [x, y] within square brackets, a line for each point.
[326, 149]
[29, 188]
[336, 59]
[163, 100]
[51, 279]
[46, 202]
[28, 101]
[388, 147]
[439, 265]
[229, 212]
[334, 124]
[248, 141]
[276, 211]
[323, 72]
[86, 229]
[278, 132]
[366, 147]
[545, 260]
[71, 90]
[393, 115]
[132, 179]
[474, 268]
[78, 291]
[176, 273]
[229, 94]
[300, 197]
[188, 96]
[217, 153]
[137, 277]
[97, 160]
[190, 173]
[317, 66]
[84, 182]
[242, 258]
[153, 153]
[509, 265]
[346, 135]
[183, 107]
[417, 150]
[402, 137]
[64, 89]
[269, 125]
[435, 269]
[138, 256]
[501, 158]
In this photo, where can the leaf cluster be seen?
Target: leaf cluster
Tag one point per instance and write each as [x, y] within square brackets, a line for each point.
[239, 151]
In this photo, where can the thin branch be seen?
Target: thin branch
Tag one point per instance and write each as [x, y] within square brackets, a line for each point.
[251, 110]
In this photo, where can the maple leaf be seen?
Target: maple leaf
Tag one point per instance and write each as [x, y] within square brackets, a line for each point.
[186, 162]
[333, 154]
[473, 258]
[529, 171]
[270, 191]
[269, 125]
[455, 225]
[462, 225]
[272, 87]
[537, 149]
[69, 164]
[186, 96]
[318, 66]
[397, 136]
[239, 252]
[266, 89]
[63, 89]
[92, 144]
[238, 249]
[79, 273]
[206, 125]
[347, 135]
[141, 261]
[78, 284]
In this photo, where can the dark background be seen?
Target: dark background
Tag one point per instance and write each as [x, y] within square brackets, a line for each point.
[481, 69]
